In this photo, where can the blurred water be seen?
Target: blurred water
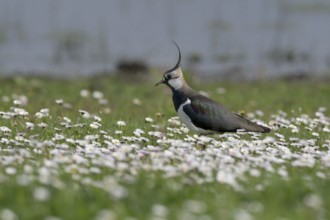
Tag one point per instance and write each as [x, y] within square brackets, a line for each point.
[253, 38]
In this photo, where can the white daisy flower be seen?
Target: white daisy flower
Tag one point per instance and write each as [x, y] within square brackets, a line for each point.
[148, 119]
[41, 194]
[121, 123]
[84, 93]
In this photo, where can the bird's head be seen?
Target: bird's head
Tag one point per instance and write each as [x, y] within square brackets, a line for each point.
[173, 77]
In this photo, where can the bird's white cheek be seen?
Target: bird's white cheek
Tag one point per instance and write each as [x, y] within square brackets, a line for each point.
[175, 83]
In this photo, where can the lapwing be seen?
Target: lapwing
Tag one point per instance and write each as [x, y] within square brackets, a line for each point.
[200, 113]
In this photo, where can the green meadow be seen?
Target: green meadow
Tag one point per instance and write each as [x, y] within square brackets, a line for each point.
[111, 147]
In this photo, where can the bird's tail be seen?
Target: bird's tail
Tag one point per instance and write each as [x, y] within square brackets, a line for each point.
[251, 126]
[264, 129]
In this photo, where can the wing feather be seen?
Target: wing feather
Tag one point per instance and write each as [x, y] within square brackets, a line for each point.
[210, 115]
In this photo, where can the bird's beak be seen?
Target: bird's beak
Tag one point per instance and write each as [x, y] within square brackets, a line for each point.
[160, 82]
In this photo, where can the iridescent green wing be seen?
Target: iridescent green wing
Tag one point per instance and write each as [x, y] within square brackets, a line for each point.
[210, 115]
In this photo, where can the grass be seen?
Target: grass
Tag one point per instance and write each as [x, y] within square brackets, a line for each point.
[70, 170]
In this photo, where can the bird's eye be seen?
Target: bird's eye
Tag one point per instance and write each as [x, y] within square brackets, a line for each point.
[167, 77]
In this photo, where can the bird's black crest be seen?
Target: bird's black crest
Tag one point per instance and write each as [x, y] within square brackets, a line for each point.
[177, 65]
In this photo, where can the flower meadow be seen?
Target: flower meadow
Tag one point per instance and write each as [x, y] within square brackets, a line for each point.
[106, 149]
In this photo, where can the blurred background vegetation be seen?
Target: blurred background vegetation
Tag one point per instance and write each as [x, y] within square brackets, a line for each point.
[230, 40]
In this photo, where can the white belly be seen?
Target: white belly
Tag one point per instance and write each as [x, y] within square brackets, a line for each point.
[186, 120]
